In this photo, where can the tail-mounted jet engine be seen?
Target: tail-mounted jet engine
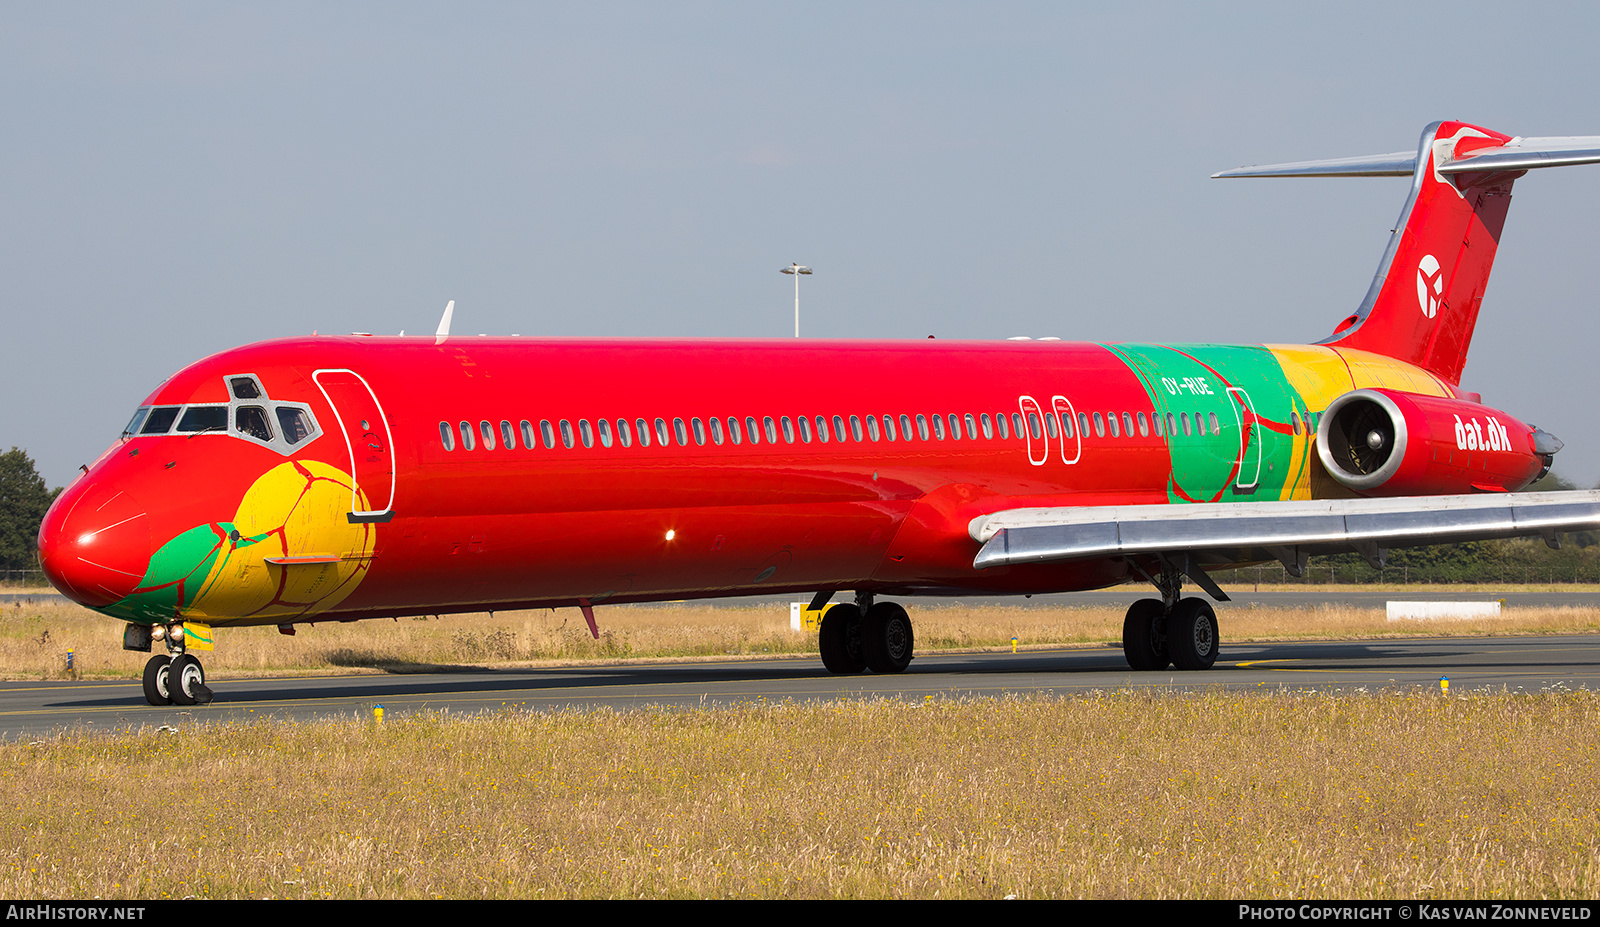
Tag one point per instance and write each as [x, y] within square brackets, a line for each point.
[1382, 442]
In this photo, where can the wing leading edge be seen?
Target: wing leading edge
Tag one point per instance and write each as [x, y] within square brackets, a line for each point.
[1245, 532]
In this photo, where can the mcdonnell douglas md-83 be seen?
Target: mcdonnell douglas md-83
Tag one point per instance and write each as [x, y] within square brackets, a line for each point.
[340, 478]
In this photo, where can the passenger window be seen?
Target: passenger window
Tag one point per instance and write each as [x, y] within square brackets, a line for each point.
[972, 427]
[838, 428]
[446, 436]
[1099, 426]
[699, 428]
[1294, 419]
[735, 434]
[1016, 424]
[548, 433]
[1183, 418]
[1155, 423]
[467, 440]
[788, 429]
[771, 428]
[488, 435]
[1003, 426]
[1083, 424]
[922, 426]
[252, 420]
[604, 427]
[938, 427]
[1127, 423]
[508, 437]
[822, 429]
[1035, 428]
[888, 427]
[643, 429]
[1200, 424]
[752, 429]
[855, 429]
[1216, 429]
[1066, 424]
[624, 433]
[955, 427]
[197, 419]
[681, 432]
[872, 429]
[1171, 431]
[244, 388]
[527, 434]
[905, 427]
[1115, 431]
[585, 432]
[988, 426]
[567, 440]
[662, 437]
[716, 430]
[1144, 426]
[805, 429]
[1050, 425]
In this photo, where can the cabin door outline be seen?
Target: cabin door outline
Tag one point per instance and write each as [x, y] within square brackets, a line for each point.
[376, 465]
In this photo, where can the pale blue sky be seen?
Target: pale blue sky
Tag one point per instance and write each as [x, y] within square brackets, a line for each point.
[177, 179]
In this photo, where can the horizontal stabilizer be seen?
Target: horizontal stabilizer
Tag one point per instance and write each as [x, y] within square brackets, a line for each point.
[1245, 532]
[1519, 154]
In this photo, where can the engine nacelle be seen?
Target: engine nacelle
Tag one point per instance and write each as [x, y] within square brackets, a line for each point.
[1382, 442]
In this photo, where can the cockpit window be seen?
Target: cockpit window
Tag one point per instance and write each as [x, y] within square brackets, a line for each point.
[252, 420]
[244, 387]
[136, 421]
[203, 418]
[296, 424]
[160, 420]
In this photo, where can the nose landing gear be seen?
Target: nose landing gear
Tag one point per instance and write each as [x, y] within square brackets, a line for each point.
[175, 680]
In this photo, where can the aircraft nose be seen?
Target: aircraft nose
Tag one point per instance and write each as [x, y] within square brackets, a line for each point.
[94, 543]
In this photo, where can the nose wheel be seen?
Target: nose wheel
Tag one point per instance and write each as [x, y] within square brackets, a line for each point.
[179, 680]
[155, 680]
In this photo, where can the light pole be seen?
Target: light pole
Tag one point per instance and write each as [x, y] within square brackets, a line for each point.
[797, 270]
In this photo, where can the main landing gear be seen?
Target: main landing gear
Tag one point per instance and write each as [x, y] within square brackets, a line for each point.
[178, 679]
[1170, 630]
[865, 635]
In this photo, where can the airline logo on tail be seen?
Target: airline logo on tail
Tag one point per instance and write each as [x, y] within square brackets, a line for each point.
[1430, 285]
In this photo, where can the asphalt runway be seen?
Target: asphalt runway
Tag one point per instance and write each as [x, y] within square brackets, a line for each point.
[1519, 664]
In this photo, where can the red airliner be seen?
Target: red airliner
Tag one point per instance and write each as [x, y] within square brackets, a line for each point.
[339, 478]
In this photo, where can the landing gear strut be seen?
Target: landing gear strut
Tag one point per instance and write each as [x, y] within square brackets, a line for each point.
[1170, 630]
[864, 635]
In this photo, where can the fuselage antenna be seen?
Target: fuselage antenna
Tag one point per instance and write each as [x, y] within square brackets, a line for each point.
[444, 323]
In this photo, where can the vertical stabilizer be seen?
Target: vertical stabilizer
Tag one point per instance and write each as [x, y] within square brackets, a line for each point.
[1423, 304]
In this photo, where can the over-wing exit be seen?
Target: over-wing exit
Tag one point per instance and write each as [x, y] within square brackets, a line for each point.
[340, 478]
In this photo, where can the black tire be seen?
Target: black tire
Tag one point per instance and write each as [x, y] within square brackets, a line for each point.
[839, 638]
[886, 638]
[1192, 635]
[1144, 635]
[183, 676]
[155, 680]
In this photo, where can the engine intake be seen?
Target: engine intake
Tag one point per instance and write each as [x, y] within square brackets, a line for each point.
[1382, 442]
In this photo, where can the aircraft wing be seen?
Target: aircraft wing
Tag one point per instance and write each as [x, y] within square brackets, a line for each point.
[1244, 532]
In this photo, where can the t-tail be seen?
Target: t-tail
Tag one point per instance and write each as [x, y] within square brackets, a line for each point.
[1423, 302]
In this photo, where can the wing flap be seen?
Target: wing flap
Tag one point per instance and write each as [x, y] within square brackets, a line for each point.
[1246, 531]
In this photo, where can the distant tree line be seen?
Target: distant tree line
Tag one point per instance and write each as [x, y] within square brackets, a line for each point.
[23, 501]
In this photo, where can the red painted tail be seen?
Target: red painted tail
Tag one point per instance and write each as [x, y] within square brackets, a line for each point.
[1423, 303]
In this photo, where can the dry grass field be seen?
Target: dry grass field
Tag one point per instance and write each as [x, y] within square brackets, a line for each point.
[34, 639]
[1116, 794]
